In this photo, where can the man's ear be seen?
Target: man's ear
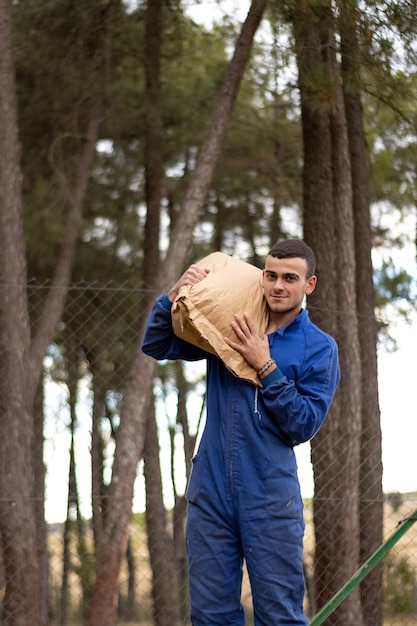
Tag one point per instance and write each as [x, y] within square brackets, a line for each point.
[311, 285]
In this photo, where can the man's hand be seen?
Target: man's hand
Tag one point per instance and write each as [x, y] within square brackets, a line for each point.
[254, 349]
[192, 276]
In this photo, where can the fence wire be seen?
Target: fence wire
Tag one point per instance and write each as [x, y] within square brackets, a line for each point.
[91, 356]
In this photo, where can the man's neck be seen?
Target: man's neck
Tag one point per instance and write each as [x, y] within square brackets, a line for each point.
[278, 321]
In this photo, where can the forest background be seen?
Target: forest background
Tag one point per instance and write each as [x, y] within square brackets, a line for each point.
[132, 142]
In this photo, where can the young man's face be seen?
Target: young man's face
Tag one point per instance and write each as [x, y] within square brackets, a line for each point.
[285, 284]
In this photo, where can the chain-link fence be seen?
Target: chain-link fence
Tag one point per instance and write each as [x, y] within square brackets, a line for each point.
[91, 358]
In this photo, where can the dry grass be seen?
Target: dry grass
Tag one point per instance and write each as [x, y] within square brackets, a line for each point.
[401, 621]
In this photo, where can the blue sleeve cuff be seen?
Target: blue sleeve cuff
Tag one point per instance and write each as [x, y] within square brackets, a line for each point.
[273, 377]
[165, 302]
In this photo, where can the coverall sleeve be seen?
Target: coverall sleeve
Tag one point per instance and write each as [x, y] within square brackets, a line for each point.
[299, 408]
[159, 340]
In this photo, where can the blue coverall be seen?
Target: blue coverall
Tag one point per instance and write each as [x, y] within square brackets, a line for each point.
[244, 500]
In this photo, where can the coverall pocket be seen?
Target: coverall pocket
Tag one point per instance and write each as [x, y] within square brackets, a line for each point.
[283, 498]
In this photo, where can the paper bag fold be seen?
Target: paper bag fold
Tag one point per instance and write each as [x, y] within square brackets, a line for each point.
[202, 313]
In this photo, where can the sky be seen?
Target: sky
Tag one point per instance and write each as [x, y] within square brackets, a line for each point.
[397, 385]
[207, 11]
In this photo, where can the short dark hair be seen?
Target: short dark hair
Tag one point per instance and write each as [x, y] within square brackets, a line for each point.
[292, 248]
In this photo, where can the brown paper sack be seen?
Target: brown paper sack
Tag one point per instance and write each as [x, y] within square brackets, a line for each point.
[202, 313]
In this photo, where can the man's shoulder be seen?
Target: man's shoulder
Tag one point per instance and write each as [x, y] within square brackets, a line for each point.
[316, 331]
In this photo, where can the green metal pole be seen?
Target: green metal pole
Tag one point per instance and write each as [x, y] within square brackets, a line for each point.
[379, 554]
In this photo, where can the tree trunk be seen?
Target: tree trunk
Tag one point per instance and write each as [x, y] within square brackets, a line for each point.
[131, 434]
[72, 499]
[154, 172]
[54, 304]
[21, 361]
[182, 417]
[370, 483]
[17, 515]
[180, 506]
[328, 227]
[278, 194]
[131, 584]
[202, 175]
[98, 500]
[180, 550]
[66, 547]
[39, 500]
[160, 541]
[161, 547]
[345, 559]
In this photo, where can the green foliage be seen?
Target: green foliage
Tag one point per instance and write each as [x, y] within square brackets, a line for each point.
[400, 588]
[395, 499]
[259, 171]
[85, 570]
[55, 96]
[138, 524]
[54, 93]
[392, 283]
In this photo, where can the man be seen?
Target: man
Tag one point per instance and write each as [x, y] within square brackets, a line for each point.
[244, 499]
